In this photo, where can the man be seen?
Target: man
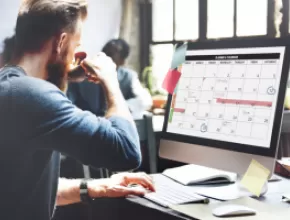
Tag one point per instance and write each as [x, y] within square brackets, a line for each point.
[138, 99]
[38, 121]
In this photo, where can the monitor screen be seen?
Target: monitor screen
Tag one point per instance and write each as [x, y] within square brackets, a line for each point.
[228, 95]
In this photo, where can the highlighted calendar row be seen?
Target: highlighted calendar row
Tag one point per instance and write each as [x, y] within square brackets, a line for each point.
[244, 102]
[179, 110]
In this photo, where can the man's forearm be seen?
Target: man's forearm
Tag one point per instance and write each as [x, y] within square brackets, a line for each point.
[117, 105]
[69, 190]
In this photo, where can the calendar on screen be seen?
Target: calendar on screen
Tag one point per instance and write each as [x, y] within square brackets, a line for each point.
[228, 95]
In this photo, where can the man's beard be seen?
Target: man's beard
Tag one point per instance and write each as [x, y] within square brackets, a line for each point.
[57, 71]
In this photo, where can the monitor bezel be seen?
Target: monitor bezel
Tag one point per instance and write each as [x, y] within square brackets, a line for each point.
[257, 150]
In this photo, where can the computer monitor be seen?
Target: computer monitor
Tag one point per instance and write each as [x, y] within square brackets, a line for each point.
[228, 105]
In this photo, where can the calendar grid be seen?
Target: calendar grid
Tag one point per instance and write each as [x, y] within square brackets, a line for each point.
[229, 95]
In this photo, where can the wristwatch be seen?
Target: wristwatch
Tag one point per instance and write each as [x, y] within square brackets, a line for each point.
[84, 193]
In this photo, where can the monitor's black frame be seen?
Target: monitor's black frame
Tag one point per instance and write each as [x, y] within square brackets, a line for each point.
[250, 149]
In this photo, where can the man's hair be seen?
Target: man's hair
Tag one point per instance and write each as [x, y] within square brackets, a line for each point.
[117, 46]
[8, 49]
[40, 20]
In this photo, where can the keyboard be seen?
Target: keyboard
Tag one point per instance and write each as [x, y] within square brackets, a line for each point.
[167, 196]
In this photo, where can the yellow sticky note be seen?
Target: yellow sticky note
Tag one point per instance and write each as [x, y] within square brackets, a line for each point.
[255, 178]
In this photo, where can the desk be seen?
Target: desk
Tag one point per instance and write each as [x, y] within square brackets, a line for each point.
[142, 209]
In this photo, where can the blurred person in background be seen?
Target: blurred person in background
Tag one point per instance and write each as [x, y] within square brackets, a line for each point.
[137, 98]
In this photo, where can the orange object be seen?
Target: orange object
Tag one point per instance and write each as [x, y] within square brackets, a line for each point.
[159, 101]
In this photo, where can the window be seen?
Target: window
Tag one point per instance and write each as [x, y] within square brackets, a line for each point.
[162, 20]
[220, 18]
[251, 17]
[172, 21]
[175, 21]
[186, 19]
[161, 59]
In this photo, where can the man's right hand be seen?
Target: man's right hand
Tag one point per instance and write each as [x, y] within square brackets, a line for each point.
[101, 69]
[119, 185]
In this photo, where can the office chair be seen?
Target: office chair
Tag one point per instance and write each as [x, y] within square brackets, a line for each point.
[146, 134]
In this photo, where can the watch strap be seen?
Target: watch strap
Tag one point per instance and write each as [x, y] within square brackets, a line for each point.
[84, 193]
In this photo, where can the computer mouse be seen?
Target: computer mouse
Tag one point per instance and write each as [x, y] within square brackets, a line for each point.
[232, 210]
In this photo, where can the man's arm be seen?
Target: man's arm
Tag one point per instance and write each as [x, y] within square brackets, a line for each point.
[102, 70]
[116, 186]
[116, 103]
[69, 190]
[49, 120]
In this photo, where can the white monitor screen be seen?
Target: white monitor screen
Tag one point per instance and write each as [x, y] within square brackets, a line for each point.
[228, 95]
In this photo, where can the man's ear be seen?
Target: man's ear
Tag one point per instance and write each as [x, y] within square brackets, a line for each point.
[61, 42]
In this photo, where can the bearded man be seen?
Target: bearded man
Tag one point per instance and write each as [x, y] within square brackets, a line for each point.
[38, 122]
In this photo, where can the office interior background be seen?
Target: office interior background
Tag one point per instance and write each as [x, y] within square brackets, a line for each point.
[154, 27]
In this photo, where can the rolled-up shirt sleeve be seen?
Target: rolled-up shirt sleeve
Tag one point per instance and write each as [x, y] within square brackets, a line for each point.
[48, 120]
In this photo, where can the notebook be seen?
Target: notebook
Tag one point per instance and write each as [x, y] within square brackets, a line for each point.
[199, 175]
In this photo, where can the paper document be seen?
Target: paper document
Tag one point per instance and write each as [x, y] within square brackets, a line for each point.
[171, 80]
[255, 178]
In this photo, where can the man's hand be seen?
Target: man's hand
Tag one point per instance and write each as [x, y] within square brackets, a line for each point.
[101, 69]
[116, 186]
[119, 185]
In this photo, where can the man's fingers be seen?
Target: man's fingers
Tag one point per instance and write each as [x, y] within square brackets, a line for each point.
[123, 191]
[147, 184]
[136, 191]
[147, 180]
[88, 66]
[143, 180]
